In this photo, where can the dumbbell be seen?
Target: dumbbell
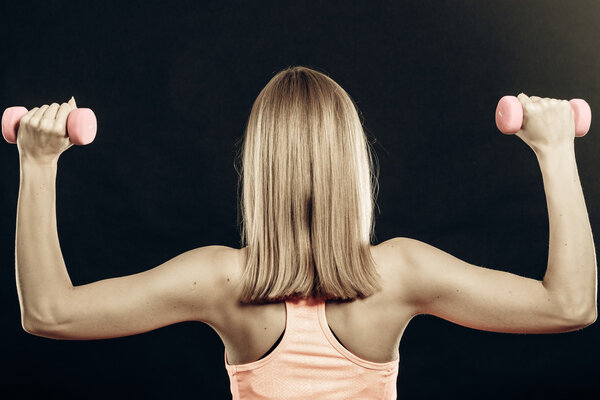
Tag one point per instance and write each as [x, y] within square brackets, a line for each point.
[509, 115]
[81, 124]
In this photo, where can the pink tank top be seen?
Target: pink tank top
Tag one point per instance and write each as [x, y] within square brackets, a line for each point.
[309, 363]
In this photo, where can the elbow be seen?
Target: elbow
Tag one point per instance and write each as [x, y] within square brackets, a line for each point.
[33, 326]
[42, 329]
[30, 320]
[41, 324]
[590, 316]
[28, 326]
[582, 317]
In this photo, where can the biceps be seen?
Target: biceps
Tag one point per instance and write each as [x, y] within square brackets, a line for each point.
[479, 297]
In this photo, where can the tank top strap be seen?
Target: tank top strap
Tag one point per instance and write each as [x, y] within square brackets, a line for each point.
[303, 315]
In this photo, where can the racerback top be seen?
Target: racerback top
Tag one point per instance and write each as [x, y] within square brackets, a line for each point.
[309, 363]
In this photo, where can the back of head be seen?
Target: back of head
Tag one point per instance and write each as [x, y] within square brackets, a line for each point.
[308, 193]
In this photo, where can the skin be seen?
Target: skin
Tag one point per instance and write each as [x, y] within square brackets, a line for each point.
[192, 287]
[486, 299]
[186, 287]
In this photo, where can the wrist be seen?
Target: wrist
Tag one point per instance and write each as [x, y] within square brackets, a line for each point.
[31, 162]
[558, 164]
[555, 154]
[37, 169]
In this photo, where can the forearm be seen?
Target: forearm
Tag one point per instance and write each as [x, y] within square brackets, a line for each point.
[41, 274]
[571, 270]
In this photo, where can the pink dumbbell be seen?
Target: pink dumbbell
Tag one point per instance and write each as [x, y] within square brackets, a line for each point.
[509, 115]
[81, 124]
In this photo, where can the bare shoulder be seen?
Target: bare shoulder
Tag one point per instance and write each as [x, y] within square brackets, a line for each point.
[416, 266]
[225, 262]
[394, 254]
[217, 266]
[226, 271]
[393, 260]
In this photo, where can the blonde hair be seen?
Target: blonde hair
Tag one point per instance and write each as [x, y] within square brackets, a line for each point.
[308, 193]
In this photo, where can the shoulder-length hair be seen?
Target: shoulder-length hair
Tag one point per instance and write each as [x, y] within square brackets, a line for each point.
[308, 193]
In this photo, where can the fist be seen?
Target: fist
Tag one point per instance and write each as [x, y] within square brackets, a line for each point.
[42, 135]
[547, 123]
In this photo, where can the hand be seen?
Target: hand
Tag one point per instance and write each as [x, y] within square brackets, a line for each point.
[42, 135]
[547, 123]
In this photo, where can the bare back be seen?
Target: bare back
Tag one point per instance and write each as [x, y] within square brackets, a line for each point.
[370, 328]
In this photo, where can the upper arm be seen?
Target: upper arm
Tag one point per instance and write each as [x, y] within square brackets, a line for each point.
[186, 287]
[440, 284]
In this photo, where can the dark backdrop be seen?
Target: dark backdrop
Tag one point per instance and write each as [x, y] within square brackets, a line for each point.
[172, 84]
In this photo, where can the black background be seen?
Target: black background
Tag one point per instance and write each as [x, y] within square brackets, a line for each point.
[172, 84]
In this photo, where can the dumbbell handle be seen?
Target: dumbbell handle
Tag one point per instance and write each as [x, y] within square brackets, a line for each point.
[81, 124]
[509, 115]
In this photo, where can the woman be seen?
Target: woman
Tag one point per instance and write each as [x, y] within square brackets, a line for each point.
[308, 307]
